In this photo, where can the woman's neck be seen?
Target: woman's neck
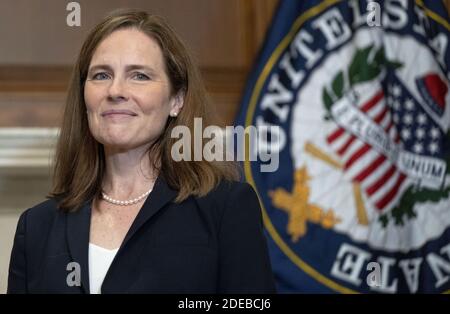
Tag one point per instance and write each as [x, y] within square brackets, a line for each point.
[128, 173]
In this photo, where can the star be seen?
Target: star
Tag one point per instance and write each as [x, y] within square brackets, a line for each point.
[434, 133]
[420, 133]
[396, 105]
[422, 118]
[409, 104]
[405, 134]
[396, 91]
[433, 147]
[418, 148]
[408, 118]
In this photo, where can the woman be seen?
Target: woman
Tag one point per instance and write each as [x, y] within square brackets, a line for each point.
[123, 216]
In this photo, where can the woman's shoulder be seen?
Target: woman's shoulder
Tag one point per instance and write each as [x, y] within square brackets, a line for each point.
[230, 194]
[42, 212]
[233, 207]
[226, 189]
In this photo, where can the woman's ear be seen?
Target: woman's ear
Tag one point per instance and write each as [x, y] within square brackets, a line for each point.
[177, 103]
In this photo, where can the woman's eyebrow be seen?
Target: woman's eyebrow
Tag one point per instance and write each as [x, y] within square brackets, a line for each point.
[132, 67]
[128, 68]
[100, 67]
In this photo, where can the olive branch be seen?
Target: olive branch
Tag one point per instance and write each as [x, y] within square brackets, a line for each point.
[367, 64]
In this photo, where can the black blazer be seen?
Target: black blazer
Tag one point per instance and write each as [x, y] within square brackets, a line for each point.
[212, 244]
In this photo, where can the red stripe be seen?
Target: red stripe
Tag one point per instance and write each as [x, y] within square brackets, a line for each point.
[397, 137]
[347, 144]
[389, 127]
[370, 169]
[392, 193]
[359, 153]
[373, 165]
[379, 183]
[375, 99]
[381, 115]
[366, 107]
[335, 135]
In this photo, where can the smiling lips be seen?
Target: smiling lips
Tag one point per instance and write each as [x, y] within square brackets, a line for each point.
[115, 112]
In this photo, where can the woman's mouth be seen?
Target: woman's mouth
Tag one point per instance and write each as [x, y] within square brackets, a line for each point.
[118, 112]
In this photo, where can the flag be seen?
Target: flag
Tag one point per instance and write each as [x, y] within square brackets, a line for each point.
[360, 201]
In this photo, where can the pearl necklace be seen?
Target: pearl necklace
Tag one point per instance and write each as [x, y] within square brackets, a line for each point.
[128, 202]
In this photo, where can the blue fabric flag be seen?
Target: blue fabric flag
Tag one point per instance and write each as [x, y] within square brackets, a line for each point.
[359, 201]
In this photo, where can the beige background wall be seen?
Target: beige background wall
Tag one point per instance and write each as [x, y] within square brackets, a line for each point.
[224, 36]
[38, 48]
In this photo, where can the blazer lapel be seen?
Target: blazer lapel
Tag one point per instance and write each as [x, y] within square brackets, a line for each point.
[120, 281]
[78, 229]
[160, 196]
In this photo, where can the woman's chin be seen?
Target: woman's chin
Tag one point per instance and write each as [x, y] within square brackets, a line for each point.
[122, 144]
[119, 144]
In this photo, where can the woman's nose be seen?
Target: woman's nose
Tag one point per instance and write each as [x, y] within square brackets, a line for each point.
[117, 90]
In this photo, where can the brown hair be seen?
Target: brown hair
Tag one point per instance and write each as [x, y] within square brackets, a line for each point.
[79, 164]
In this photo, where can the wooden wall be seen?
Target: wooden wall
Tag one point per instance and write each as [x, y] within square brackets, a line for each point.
[38, 49]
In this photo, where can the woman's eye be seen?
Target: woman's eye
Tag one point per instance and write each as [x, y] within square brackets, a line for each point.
[141, 77]
[100, 76]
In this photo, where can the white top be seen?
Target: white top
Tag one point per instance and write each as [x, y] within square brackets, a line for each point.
[99, 261]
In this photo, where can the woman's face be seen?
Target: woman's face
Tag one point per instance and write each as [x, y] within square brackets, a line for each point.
[127, 91]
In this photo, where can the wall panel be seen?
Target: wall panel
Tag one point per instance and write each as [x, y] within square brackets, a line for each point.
[224, 37]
